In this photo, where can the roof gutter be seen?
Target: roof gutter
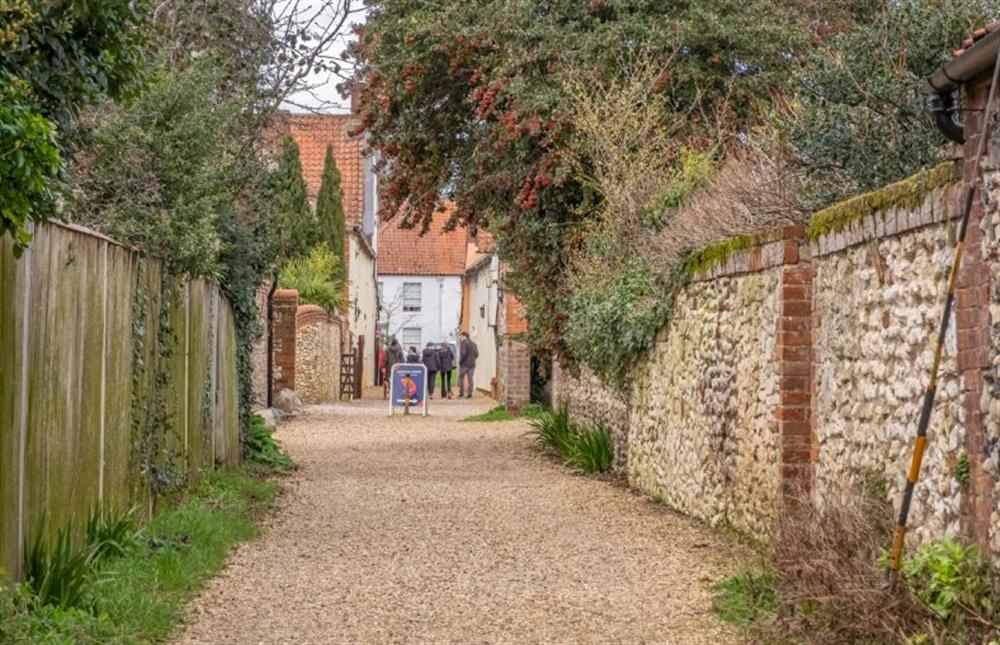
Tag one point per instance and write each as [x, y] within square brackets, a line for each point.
[974, 61]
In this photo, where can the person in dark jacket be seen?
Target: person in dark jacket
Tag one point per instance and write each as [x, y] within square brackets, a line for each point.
[467, 355]
[412, 356]
[393, 356]
[446, 363]
[430, 359]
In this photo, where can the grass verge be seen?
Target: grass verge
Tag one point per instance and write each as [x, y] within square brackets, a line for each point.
[499, 413]
[139, 595]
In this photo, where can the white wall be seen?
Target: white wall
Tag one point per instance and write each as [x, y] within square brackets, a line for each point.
[440, 307]
[482, 321]
[361, 310]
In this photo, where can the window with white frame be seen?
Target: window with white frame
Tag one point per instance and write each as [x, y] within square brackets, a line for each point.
[411, 337]
[411, 296]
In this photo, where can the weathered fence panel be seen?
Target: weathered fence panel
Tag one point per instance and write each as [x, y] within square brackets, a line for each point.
[99, 406]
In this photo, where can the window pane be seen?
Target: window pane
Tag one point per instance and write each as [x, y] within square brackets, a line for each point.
[411, 336]
[411, 296]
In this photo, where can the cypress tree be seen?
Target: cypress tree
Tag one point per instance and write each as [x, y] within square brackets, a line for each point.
[330, 207]
[297, 231]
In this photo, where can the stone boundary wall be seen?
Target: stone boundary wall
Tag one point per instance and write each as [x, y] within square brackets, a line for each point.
[795, 366]
[879, 295]
[81, 369]
[317, 354]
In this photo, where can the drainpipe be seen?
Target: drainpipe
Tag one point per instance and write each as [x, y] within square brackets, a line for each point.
[270, 340]
[943, 110]
[970, 63]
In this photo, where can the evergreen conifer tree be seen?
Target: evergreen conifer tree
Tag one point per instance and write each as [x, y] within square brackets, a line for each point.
[330, 207]
[297, 231]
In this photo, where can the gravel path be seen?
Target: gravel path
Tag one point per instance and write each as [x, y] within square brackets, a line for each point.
[437, 530]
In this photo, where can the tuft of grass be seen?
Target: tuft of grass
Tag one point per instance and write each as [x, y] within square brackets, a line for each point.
[744, 597]
[499, 413]
[57, 573]
[591, 451]
[261, 451]
[587, 450]
[533, 411]
[139, 596]
[553, 431]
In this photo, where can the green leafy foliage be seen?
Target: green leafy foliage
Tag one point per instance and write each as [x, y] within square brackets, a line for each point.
[318, 278]
[950, 579]
[746, 596]
[55, 58]
[863, 120]
[961, 472]
[463, 101]
[261, 449]
[138, 594]
[330, 207]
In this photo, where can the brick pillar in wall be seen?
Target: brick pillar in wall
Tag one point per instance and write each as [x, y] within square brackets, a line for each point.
[795, 359]
[516, 378]
[285, 306]
[972, 321]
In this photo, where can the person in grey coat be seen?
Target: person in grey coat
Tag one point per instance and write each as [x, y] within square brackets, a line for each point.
[467, 355]
[446, 361]
[429, 357]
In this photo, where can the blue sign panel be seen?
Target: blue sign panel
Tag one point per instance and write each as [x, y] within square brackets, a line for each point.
[408, 388]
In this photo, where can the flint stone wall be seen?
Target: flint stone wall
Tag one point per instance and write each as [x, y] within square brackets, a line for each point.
[878, 303]
[707, 419]
[317, 355]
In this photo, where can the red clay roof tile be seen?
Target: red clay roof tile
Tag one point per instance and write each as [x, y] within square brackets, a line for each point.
[437, 252]
[313, 133]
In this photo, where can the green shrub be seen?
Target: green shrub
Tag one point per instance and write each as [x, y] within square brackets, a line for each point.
[950, 579]
[262, 450]
[743, 597]
[318, 278]
[591, 451]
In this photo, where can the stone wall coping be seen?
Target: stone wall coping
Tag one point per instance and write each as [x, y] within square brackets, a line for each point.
[767, 249]
[940, 205]
[313, 314]
[286, 294]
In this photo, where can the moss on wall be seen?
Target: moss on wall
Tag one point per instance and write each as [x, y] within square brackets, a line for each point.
[718, 253]
[908, 193]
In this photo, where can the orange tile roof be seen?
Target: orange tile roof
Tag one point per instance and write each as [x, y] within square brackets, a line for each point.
[976, 36]
[313, 133]
[404, 251]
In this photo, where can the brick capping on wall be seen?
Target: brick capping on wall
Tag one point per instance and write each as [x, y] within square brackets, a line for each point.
[773, 248]
[940, 205]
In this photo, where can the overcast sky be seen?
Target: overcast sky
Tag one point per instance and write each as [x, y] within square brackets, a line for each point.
[322, 91]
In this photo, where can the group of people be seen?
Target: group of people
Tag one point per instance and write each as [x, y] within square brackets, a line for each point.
[437, 360]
